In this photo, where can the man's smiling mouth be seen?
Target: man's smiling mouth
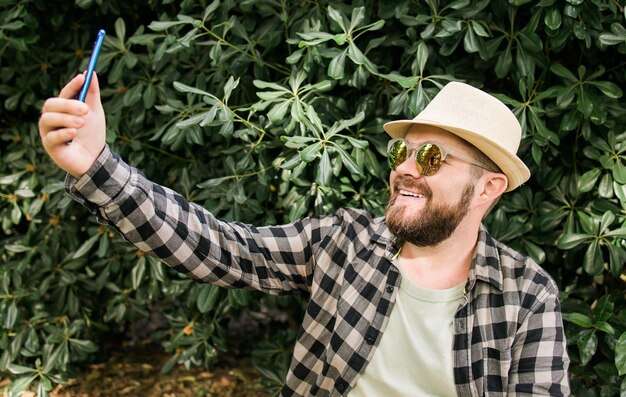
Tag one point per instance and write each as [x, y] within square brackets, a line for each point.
[407, 193]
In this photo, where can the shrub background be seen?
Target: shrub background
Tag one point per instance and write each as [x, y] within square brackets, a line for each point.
[265, 111]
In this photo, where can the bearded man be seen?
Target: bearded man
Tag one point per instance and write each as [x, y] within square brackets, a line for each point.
[420, 302]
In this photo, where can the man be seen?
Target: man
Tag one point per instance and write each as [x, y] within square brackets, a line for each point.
[421, 302]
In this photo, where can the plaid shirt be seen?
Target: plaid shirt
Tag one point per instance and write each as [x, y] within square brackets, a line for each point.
[508, 334]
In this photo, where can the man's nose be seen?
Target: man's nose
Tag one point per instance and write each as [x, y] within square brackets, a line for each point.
[409, 166]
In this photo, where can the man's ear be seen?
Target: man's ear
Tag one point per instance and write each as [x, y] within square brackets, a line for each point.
[494, 184]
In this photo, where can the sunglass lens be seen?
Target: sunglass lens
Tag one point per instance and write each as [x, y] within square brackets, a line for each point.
[396, 154]
[428, 159]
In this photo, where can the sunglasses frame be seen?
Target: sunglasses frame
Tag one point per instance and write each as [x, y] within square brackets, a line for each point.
[417, 147]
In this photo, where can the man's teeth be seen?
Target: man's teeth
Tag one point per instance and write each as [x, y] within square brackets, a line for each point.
[411, 194]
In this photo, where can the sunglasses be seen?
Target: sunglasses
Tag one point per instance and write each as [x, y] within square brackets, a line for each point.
[428, 156]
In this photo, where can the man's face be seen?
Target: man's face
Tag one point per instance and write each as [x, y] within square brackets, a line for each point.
[423, 210]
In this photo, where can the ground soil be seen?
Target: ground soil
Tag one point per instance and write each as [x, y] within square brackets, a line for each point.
[137, 373]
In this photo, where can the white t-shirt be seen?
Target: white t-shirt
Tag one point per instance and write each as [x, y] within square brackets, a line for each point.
[414, 357]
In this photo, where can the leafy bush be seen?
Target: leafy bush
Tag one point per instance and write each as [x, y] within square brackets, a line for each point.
[266, 111]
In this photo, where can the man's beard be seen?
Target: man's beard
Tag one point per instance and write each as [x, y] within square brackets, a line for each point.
[431, 225]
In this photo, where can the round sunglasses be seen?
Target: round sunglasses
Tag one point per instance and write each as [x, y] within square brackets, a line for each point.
[428, 156]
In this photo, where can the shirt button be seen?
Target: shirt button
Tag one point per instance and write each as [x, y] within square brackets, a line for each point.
[370, 340]
[389, 289]
[341, 386]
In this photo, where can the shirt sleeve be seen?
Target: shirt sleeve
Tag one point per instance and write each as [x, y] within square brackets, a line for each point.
[188, 238]
[539, 356]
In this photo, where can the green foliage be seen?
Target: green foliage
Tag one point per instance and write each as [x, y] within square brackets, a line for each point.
[267, 111]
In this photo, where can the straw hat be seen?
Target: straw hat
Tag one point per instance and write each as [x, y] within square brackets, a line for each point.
[478, 118]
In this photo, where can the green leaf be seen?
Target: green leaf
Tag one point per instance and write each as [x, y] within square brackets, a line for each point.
[607, 219]
[324, 169]
[617, 258]
[338, 17]
[83, 346]
[86, 246]
[120, 28]
[210, 9]
[609, 89]
[571, 240]
[277, 114]
[270, 95]
[358, 14]
[620, 354]
[349, 162]
[20, 369]
[138, 272]
[159, 26]
[185, 88]
[552, 18]
[588, 180]
[268, 85]
[15, 25]
[587, 346]
[19, 385]
[470, 42]
[619, 233]
[565, 97]
[605, 327]
[8, 179]
[314, 38]
[336, 67]
[563, 72]
[207, 298]
[230, 85]
[310, 152]
[603, 310]
[593, 261]
[297, 142]
[504, 63]
[619, 172]
[239, 298]
[578, 319]
[357, 143]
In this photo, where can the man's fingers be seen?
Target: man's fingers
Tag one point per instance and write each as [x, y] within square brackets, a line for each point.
[50, 121]
[60, 105]
[94, 87]
[71, 90]
[60, 136]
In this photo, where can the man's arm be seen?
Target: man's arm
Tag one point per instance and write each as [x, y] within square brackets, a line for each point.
[539, 355]
[161, 222]
[187, 237]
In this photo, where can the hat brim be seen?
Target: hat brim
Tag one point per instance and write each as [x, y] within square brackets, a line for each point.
[512, 166]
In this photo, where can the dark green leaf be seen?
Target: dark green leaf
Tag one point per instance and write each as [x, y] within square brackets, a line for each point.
[337, 66]
[593, 261]
[138, 272]
[324, 169]
[86, 246]
[587, 346]
[620, 354]
[20, 384]
[588, 180]
[619, 172]
[207, 298]
[578, 319]
[571, 240]
[310, 152]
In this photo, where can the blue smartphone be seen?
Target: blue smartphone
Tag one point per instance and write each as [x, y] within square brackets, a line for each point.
[92, 64]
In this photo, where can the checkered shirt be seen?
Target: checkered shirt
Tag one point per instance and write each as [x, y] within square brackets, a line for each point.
[508, 333]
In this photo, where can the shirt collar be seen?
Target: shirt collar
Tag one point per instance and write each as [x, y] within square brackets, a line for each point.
[381, 235]
[486, 264]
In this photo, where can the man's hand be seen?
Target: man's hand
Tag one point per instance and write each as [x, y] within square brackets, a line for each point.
[73, 133]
